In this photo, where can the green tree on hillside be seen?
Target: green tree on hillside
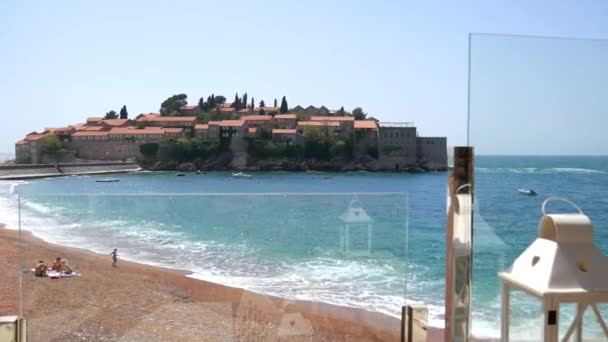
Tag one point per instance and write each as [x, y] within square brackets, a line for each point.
[220, 100]
[244, 103]
[359, 114]
[275, 103]
[149, 150]
[110, 115]
[341, 111]
[212, 102]
[252, 103]
[201, 103]
[284, 108]
[171, 106]
[262, 104]
[51, 147]
[123, 112]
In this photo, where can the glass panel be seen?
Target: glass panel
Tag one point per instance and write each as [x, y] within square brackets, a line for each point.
[537, 122]
[9, 249]
[318, 265]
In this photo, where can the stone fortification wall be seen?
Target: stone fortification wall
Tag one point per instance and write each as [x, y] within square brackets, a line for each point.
[432, 152]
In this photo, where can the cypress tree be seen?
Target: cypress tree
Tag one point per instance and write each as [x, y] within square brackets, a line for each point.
[123, 112]
[262, 104]
[284, 108]
[212, 101]
[252, 103]
[275, 103]
[244, 103]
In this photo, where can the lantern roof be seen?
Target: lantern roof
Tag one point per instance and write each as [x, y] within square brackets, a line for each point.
[562, 260]
[355, 214]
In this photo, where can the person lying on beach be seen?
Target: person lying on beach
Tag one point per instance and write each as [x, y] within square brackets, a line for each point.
[114, 255]
[40, 270]
[57, 265]
[65, 268]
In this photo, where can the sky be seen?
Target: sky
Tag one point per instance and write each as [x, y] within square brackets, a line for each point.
[63, 61]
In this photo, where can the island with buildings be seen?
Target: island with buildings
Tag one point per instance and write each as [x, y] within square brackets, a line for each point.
[217, 135]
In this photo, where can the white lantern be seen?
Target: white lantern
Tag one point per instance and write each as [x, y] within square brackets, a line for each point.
[354, 217]
[561, 266]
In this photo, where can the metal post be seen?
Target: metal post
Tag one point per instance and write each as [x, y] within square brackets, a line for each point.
[417, 323]
[550, 320]
[580, 308]
[20, 256]
[505, 317]
[459, 253]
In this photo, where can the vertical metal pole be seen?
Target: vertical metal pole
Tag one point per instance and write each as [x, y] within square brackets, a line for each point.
[579, 327]
[20, 255]
[469, 96]
[505, 308]
[459, 252]
[550, 320]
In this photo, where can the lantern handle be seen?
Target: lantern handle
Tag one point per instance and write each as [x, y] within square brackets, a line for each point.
[560, 199]
[468, 185]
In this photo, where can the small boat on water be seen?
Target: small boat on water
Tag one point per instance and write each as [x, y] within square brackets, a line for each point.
[198, 172]
[241, 175]
[107, 180]
[180, 174]
[527, 192]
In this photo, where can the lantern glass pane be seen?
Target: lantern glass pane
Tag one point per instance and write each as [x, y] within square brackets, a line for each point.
[344, 249]
[537, 117]
[526, 320]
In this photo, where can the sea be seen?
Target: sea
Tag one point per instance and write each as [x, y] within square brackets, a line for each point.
[374, 241]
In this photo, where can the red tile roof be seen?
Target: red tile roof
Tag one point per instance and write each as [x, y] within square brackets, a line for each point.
[129, 131]
[91, 128]
[226, 105]
[252, 129]
[365, 124]
[256, 117]
[156, 118]
[285, 116]
[173, 130]
[187, 107]
[227, 109]
[284, 131]
[245, 110]
[200, 126]
[332, 118]
[214, 123]
[232, 123]
[319, 123]
[115, 122]
[89, 134]
[21, 142]
[60, 129]
[94, 119]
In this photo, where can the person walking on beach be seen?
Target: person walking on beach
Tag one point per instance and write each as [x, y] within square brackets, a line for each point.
[114, 255]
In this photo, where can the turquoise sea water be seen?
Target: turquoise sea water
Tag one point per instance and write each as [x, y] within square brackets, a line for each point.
[284, 233]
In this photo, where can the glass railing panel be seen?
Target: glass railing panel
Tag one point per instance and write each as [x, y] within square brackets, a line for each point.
[536, 122]
[10, 249]
[315, 265]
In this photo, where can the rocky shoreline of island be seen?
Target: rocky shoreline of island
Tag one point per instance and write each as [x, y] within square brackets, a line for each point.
[226, 163]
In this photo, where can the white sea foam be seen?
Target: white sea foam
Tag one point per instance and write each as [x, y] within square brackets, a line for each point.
[535, 170]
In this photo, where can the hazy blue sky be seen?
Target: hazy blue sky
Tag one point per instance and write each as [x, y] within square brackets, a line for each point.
[62, 61]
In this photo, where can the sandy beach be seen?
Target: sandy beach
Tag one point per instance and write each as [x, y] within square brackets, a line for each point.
[136, 302]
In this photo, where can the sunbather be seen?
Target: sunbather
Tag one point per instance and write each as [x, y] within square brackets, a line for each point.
[40, 270]
[65, 268]
[57, 265]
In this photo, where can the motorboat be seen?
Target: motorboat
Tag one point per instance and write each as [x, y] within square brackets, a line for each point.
[527, 192]
[241, 175]
[180, 174]
[107, 180]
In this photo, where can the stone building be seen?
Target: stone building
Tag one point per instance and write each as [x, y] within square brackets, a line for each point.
[287, 136]
[285, 121]
[346, 123]
[431, 152]
[397, 145]
[261, 122]
[365, 137]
